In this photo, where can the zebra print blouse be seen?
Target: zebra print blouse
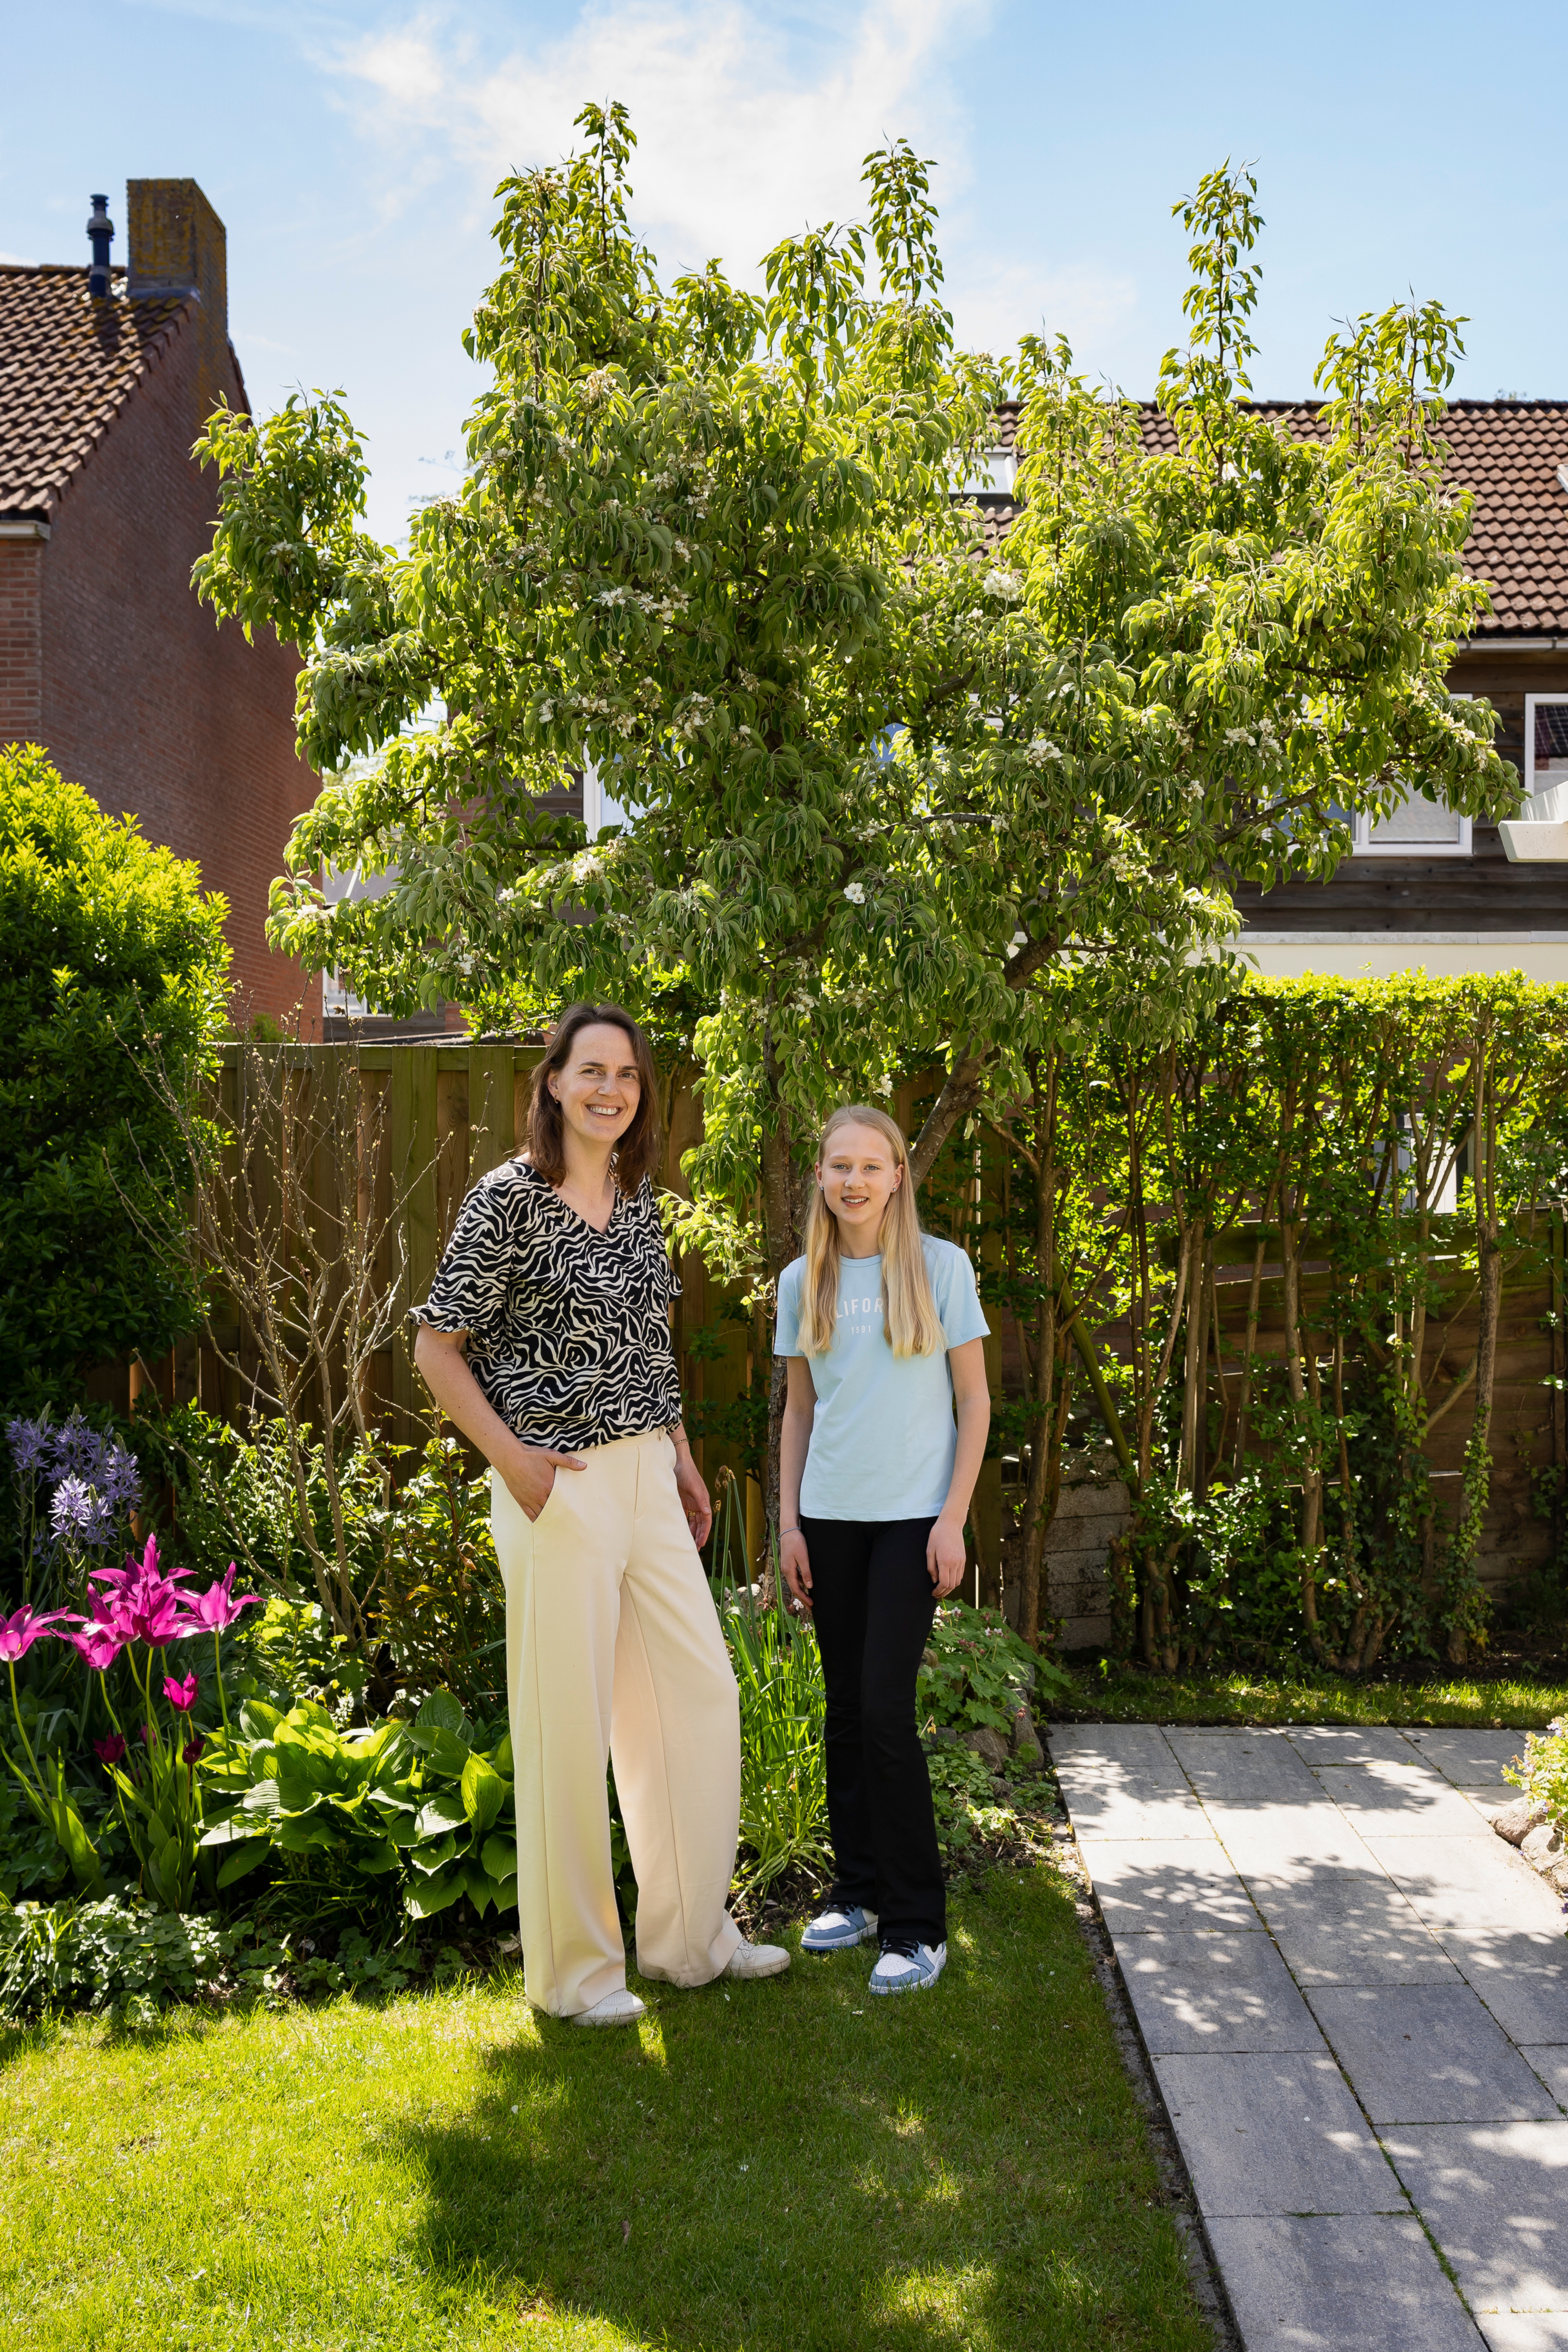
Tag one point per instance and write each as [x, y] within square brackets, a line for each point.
[568, 1329]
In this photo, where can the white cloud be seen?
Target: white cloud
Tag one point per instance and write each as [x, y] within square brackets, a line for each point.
[997, 299]
[742, 136]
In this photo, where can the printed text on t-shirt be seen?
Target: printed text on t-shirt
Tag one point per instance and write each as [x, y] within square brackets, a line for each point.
[855, 1308]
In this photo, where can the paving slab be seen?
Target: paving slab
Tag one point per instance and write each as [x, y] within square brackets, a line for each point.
[1214, 1990]
[1551, 2062]
[1281, 1842]
[1145, 1883]
[1337, 1928]
[1492, 1796]
[1523, 2331]
[1428, 2054]
[1495, 2198]
[1521, 1976]
[1462, 1883]
[1121, 1780]
[1406, 1799]
[1243, 1768]
[1336, 2283]
[1275, 2134]
[1470, 1758]
[1349, 1743]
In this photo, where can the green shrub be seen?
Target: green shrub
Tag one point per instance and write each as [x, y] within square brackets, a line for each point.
[976, 1672]
[113, 986]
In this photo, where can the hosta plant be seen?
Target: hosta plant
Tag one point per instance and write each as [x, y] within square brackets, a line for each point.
[416, 1812]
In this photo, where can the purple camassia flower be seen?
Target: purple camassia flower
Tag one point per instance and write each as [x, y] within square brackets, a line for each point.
[79, 1511]
[78, 1449]
[29, 1442]
[121, 1483]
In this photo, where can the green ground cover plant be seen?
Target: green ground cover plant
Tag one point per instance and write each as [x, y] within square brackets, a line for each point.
[793, 2167]
[1116, 1694]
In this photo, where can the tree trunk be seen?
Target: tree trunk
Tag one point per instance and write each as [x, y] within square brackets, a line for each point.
[784, 1219]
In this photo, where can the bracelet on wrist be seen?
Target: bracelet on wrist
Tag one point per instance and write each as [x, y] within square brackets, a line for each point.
[790, 1531]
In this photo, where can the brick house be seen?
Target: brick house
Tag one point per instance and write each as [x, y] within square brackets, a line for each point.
[106, 657]
[1427, 888]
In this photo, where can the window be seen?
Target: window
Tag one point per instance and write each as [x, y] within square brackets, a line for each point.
[1546, 755]
[1420, 828]
[994, 477]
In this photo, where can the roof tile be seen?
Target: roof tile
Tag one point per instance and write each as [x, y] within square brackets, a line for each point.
[1505, 453]
[67, 363]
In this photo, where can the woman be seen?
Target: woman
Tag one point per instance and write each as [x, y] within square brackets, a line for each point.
[883, 1333]
[547, 1339]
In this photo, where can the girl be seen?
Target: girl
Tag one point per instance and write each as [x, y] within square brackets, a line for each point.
[547, 1339]
[883, 1333]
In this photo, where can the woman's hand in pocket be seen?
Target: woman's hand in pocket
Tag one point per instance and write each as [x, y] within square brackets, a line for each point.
[796, 1562]
[530, 1472]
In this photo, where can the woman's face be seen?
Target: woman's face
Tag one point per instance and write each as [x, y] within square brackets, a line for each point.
[598, 1089]
[859, 1175]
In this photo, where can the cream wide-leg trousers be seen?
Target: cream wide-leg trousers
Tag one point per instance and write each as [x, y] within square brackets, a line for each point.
[614, 1650]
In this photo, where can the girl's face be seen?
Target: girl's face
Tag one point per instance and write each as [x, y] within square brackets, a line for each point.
[858, 1176]
[599, 1090]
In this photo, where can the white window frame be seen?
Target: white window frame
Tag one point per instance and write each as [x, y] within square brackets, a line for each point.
[1362, 844]
[1530, 701]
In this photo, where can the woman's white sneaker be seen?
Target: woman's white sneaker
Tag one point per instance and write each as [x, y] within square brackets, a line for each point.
[757, 1960]
[619, 2008]
[907, 1967]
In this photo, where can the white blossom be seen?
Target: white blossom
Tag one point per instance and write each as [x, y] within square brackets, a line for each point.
[1006, 585]
[856, 893]
[884, 1085]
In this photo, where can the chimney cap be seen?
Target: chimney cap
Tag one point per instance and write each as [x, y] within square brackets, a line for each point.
[100, 229]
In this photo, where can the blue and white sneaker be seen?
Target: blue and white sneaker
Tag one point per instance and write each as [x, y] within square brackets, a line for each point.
[907, 1967]
[836, 1930]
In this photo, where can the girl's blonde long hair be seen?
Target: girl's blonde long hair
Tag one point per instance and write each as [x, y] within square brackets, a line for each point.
[909, 1319]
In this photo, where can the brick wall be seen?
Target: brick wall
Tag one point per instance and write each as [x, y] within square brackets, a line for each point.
[143, 700]
[21, 642]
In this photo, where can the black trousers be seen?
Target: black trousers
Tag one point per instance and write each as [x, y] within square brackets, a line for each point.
[873, 1601]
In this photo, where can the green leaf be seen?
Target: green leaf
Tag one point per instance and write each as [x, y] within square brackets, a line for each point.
[499, 1855]
[243, 1859]
[442, 1712]
[484, 1794]
[441, 1814]
[426, 1896]
[257, 1720]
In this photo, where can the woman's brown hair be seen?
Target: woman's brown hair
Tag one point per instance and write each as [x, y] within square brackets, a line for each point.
[639, 1150]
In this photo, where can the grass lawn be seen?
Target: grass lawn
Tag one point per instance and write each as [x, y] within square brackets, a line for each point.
[1518, 1699]
[789, 2165]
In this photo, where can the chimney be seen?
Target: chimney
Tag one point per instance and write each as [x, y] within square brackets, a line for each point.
[100, 228]
[178, 246]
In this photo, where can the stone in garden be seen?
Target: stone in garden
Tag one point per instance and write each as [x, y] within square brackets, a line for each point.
[1542, 1845]
[1516, 1821]
[988, 1744]
[1026, 1745]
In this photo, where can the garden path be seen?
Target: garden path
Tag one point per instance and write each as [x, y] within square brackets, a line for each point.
[1354, 1999]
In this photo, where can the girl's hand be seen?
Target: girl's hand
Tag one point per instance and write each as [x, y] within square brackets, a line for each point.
[529, 1473]
[944, 1556]
[796, 1562]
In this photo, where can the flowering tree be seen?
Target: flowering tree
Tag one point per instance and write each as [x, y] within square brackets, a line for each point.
[886, 785]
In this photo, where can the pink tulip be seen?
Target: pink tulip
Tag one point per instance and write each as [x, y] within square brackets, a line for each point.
[97, 1644]
[216, 1608]
[182, 1696]
[19, 1633]
[143, 1605]
[111, 1750]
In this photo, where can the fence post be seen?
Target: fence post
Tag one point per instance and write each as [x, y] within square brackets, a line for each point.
[413, 1147]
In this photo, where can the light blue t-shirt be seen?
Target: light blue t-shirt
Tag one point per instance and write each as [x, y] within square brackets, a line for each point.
[883, 1436]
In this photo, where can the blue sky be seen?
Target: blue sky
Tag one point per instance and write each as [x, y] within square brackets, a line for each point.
[352, 153]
